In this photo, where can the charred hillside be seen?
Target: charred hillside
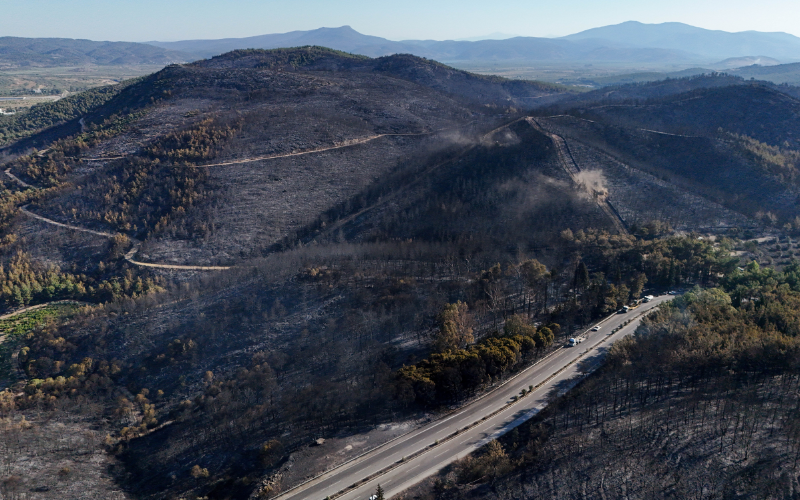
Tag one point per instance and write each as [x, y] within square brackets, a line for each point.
[510, 191]
[257, 245]
[754, 110]
[264, 142]
[732, 146]
[426, 72]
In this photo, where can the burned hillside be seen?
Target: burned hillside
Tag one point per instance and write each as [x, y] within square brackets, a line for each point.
[251, 248]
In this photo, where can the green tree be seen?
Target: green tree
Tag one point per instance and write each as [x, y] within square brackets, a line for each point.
[581, 279]
[637, 285]
[455, 328]
[495, 459]
[544, 337]
[379, 493]
[517, 325]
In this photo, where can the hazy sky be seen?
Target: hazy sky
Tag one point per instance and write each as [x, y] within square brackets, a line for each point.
[142, 20]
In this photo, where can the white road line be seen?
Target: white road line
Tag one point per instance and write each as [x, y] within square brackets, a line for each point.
[480, 433]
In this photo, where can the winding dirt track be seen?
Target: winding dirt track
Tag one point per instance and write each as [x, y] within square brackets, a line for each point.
[18, 180]
[41, 306]
[129, 256]
[640, 129]
[66, 226]
[346, 144]
[131, 253]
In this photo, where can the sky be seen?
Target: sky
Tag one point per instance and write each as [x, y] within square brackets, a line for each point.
[168, 20]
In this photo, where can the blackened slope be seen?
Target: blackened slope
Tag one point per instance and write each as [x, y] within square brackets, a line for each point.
[637, 92]
[454, 81]
[282, 59]
[426, 72]
[507, 192]
[754, 110]
[715, 168]
[253, 204]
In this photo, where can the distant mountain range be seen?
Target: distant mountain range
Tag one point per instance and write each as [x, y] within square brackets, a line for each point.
[511, 49]
[707, 43]
[630, 42]
[626, 43]
[491, 36]
[23, 52]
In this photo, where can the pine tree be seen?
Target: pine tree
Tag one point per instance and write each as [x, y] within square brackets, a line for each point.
[379, 493]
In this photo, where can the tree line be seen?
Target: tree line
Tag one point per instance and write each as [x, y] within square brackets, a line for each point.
[462, 368]
[713, 374]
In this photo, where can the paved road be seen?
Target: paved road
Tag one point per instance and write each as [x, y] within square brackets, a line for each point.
[556, 370]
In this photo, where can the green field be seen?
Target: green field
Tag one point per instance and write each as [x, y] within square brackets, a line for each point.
[13, 330]
[56, 81]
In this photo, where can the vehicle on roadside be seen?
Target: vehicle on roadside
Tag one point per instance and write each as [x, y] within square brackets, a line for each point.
[647, 298]
[672, 292]
[575, 341]
[596, 329]
[624, 310]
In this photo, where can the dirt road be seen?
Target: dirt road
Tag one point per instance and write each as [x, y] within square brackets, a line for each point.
[131, 253]
[41, 306]
[345, 144]
[18, 180]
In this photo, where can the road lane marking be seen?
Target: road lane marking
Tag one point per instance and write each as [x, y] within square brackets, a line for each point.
[570, 360]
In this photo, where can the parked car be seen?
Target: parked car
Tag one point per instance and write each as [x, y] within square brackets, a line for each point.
[596, 329]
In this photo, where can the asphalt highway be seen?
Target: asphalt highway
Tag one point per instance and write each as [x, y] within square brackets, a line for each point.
[426, 450]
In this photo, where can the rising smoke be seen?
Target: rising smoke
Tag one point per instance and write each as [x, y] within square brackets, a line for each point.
[593, 181]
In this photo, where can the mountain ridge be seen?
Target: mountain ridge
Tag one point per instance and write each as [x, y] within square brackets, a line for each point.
[680, 36]
[626, 42]
[24, 52]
